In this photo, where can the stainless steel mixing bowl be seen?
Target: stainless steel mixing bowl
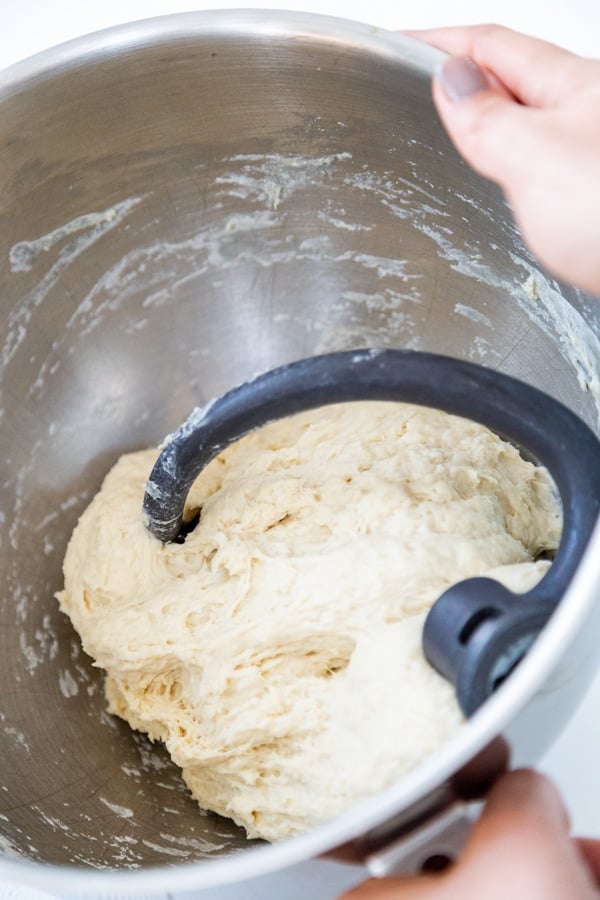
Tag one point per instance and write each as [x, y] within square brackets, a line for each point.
[184, 202]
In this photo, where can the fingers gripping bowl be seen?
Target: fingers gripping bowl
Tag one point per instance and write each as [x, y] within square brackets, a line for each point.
[186, 202]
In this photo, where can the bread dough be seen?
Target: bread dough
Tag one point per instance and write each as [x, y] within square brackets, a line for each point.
[277, 652]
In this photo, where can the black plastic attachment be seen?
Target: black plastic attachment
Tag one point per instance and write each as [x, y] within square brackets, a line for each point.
[477, 631]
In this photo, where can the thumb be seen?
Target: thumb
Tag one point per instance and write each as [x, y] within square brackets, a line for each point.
[490, 129]
[523, 837]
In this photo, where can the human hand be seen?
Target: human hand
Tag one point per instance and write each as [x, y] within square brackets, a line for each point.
[526, 114]
[520, 848]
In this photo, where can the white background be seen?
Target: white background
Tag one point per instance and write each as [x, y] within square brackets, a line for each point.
[28, 26]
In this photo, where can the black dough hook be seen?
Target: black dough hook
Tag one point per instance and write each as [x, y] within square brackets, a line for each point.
[477, 631]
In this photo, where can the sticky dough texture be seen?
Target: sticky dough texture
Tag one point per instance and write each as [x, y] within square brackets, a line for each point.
[277, 652]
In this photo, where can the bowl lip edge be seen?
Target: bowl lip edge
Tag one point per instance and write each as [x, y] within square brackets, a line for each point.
[145, 32]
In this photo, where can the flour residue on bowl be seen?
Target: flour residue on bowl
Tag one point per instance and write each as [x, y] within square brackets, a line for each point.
[122, 811]
[535, 294]
[264, 187]
[475, 315]
[274, 177]
[8, 848]
[83, 231]
[544, 301]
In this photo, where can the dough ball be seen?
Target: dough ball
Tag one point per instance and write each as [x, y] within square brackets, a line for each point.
[277, 652]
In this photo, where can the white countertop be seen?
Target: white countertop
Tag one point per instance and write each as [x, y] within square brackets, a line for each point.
[28, 26]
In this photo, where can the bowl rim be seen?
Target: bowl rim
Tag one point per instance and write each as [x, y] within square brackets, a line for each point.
[219, 23]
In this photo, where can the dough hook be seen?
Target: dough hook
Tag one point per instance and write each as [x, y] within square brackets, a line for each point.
[477, 631]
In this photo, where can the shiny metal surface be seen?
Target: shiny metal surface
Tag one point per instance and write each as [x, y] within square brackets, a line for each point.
[185, 202]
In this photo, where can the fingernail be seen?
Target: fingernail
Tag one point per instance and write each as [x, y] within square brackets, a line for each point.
[460, 78]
